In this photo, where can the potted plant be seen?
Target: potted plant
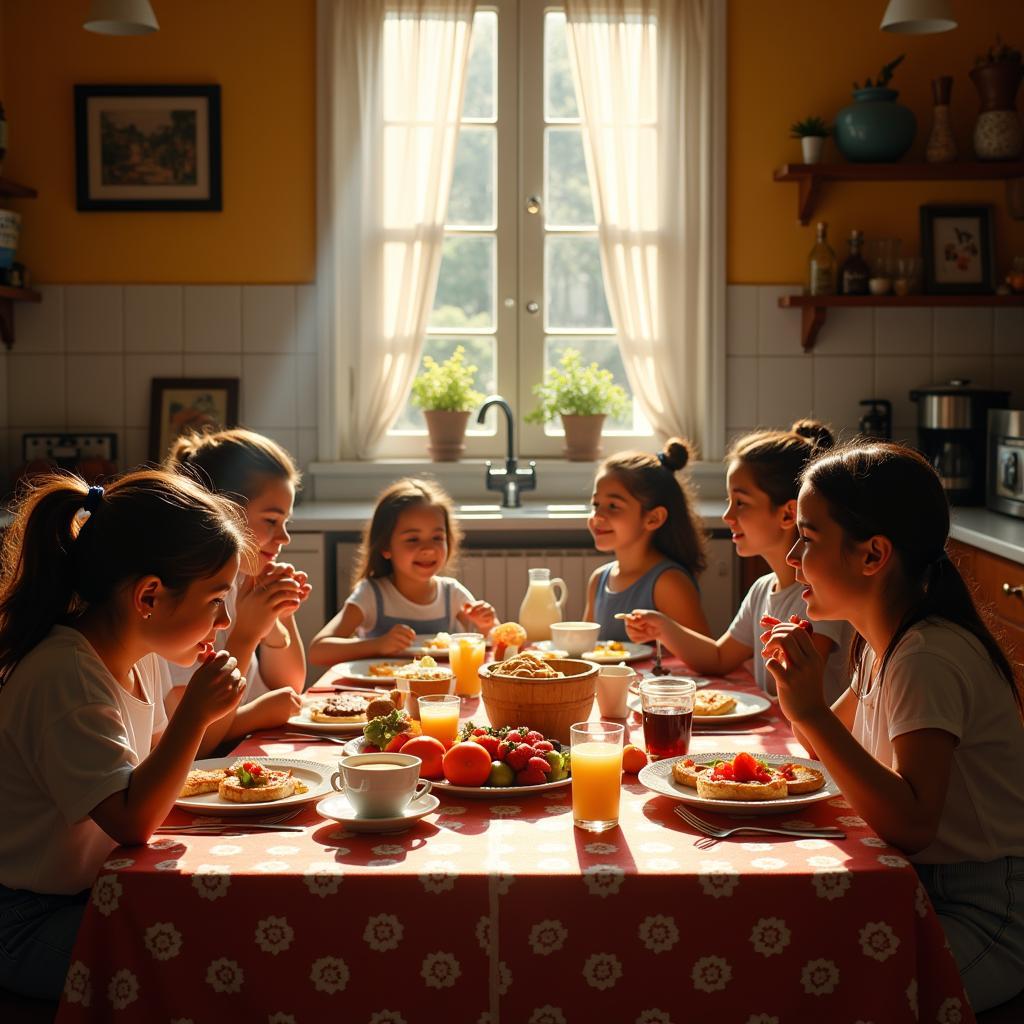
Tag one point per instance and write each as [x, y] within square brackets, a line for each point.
[812, 133]
[996, 75]
[444, 391]
[875, 128]
[583, 396]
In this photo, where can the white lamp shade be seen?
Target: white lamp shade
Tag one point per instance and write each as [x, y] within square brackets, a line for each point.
[918, 17]
[121, 18]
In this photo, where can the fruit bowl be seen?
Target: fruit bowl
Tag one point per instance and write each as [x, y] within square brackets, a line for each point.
[550, 706]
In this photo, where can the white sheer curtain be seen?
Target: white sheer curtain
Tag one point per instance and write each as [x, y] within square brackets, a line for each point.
[394, 73]
[653, 121]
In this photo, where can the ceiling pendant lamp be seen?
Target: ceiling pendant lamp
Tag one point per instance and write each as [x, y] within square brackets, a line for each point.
[918, 17]
[121, 18]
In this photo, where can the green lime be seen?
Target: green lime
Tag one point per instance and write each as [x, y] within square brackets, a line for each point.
[501, 774]
[557, 770]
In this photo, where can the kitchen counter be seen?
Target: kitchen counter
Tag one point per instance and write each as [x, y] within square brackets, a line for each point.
[993, 532]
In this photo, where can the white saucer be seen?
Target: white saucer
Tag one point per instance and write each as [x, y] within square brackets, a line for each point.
[337, 808]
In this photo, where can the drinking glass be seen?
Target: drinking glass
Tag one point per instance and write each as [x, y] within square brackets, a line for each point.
[466, 653]
[908, 275]
[667, 706]
[596, 774]
[439, 716]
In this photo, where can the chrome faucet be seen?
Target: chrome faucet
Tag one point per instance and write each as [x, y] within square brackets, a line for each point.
[511, 480]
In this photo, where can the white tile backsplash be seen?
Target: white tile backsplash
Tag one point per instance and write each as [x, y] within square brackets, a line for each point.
[268, 318]
[269, 395]
[95, 386]
[903, 332]
[895, 378]
[1008, 372]
[741, 390]
[306, 370]
[840, 382]
[1008, 332]
[213, 318]
[139, 373]
[93, 318]
[39, 326]
[777, 328]
[848, 332]
[962, 331]
[305, 318]
[974, 368]
[784, 390]
[223, 364]
[35, 390]
[741, 321]
[154, 318]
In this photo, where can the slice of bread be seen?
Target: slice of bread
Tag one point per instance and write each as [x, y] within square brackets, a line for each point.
[275, 785]
[724, 789]
[801, 778]
[346, 707]
[708, 703]
[685, 772]
[198, 781]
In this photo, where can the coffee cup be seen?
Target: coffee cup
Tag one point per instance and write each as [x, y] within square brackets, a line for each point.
[380, 785]
[575, 637]
[612, 688]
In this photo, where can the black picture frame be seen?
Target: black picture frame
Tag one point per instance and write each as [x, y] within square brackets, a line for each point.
[957, 249]
[189, 158]
[180, 404]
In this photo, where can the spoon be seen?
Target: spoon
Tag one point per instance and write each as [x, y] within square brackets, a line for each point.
[659, 669]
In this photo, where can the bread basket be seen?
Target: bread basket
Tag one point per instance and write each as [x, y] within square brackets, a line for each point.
[548, 705]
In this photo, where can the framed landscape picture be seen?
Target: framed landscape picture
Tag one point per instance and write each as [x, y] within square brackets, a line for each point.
[147, 147]
[956, 244]
[181, 405]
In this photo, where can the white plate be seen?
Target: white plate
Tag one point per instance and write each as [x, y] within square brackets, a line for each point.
[315, 775]
[748, 705]
[303, 721]
[337, 808]
[420, 646]
[441, 786]
[633, 652]
[359, 671]
[657, 777]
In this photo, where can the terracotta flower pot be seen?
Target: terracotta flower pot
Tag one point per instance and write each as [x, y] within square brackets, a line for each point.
[997, 133]
[447, 432]
[583, 437]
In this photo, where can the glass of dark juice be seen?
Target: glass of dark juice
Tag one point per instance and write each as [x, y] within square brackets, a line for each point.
[668, 716]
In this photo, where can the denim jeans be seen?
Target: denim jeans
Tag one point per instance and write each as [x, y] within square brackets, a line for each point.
[981, 909]
[37, 935]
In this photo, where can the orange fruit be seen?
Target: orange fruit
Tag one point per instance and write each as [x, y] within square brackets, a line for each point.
[633, 758]
[430, 751]
[467, 764]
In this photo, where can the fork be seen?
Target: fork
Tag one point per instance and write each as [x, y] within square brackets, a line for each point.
[714, 832]
[287, 737]
[269, 822]
[659, 669]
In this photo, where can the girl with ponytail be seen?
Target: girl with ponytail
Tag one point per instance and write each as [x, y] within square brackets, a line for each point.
[97, 586]
[762, 479]
[928, 742]
[644, 514]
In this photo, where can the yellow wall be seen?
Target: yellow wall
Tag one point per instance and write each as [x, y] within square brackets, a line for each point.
[795, 58]
[260, 52]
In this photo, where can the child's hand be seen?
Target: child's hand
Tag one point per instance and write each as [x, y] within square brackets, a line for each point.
[797, 667]
[305, 589]
[395, 640]
[263, 598]
[643, 626]
[215, 688]
[279, 705]
[480, 613]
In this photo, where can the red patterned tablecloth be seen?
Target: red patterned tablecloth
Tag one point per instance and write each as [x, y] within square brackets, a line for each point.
[501, 912]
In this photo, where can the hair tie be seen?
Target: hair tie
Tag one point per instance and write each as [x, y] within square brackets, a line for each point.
[663, 459]
[92, 499]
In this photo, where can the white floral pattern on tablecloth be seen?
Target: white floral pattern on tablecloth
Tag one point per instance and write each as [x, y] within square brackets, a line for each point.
[163, 940]
[504, 978]
[603, 880]
[323, 878]
[547, 1015]
[602, 970]
[274, 935]
[440, 970]
[224, 975]
[819, 977]
[653, 1016]
[439, 876]
[831, 883]
[383, 932]
[387, 1017]
[106, 894]
[770, 936]
[547, 937]
[119, 863]
[281, 1018]
[711, 973]
[123, 989]
[878, 941]
[658, 933]
[718, 878]
[951, 1012]
[211, 881]
[78, 984]
[329, 974]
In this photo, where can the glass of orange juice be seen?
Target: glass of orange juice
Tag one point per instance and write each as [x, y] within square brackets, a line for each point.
[596, 763]
[439, 716]
[466, 653]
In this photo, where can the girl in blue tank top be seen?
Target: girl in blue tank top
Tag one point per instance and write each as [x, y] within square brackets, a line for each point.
[643, 514]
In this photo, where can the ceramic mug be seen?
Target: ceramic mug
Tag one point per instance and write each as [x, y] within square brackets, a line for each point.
[575, 637]
[612, 689]
[380, 785]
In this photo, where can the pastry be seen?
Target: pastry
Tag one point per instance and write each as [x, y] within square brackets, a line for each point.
[345, 707]
[713, 702]
[250, 782]
[506, 636]
[746, 778]
[385, 669]
[441, 642]
[801, 778]
[685, 771]
[527, 666]
[380, 706]
[198, 781]
[424, 669]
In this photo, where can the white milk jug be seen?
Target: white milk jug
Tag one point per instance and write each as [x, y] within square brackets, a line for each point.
[543, 604]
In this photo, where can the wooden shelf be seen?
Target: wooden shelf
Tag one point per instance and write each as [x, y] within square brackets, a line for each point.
[814, 308]
[12, 190]
[810, 176]
[9, 296]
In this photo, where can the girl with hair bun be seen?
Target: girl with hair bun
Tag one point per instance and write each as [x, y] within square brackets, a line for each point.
[927, 743]
[763, 480]
[98, 587]
[643, 513]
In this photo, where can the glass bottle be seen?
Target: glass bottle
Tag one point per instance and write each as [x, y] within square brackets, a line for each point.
[941, 147]
[822, 265]
[542, 605]
[854, 273]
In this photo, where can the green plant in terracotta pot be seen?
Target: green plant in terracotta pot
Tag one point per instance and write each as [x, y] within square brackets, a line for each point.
[812, 133]
[997, 75]
[875, 128]
[582, 396]
[445, 393]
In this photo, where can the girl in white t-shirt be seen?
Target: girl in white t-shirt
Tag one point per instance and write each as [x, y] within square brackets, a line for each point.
[96, 584]
[261, 476]
[928, 742]
[398, 591]
[762, 479]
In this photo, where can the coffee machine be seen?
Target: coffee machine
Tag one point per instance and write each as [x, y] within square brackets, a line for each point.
[952, 422]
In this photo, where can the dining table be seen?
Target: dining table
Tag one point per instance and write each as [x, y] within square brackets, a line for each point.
[499, 911]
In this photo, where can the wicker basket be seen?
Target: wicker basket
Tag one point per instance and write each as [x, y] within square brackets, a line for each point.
[548, 705]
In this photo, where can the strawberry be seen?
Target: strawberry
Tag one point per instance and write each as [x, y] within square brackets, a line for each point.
[802, 623]
[491, 744]
[543, 746]
[540, 763]
[744, 768]
[504, 747]
[534, 737]
[520, 756]
[479, 731]
[530, 777]
[370, 748]
[769, 620]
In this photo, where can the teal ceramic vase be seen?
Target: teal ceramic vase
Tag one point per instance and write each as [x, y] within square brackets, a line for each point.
[874, 128]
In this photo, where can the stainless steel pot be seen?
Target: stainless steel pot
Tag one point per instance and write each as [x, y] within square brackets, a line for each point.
[955, 406]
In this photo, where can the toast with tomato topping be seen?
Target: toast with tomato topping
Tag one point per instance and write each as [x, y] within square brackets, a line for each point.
[685, 771]
[801, 778]
[742, 778]
[199, 781]
[249, 782]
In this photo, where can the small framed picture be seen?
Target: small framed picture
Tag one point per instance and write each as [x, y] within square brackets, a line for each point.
[147, 147]
[188, 404]
[956, 244]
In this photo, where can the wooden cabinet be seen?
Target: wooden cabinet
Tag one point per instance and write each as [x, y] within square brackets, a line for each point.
[998, 586]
